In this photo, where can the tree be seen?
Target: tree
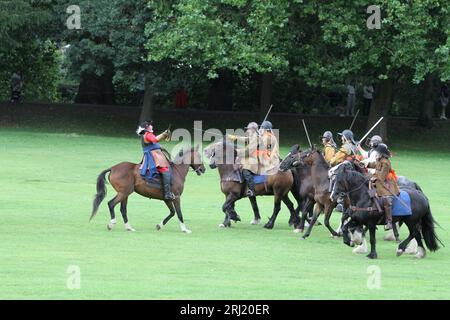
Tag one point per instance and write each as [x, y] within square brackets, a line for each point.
[223, 38]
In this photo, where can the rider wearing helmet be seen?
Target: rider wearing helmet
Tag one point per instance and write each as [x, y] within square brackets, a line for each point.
[385, 181]
[154, 160]
[346, 150]
[268, 150]
[371, 155]
[329, 146]
[248, 155]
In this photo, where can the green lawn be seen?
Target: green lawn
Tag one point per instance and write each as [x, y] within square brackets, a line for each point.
[48, 182]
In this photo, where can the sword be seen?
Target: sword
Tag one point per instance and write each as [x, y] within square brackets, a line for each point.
[354, 119]
[307, 135]
[214, 134]
[370, 130]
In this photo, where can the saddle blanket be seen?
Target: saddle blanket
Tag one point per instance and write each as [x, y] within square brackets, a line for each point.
[398, 207]
[259, 179]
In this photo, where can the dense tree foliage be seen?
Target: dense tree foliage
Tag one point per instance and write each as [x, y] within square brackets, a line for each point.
[232, 54]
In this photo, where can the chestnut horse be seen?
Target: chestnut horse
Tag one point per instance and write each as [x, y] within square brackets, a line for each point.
[125, 178]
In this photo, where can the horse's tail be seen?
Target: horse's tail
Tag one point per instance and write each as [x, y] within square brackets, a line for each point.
[101, 192]
[429, 234]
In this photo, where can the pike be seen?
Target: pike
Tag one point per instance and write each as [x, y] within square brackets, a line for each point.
[267, 114]
[306, 131]
[354, 119]
[370, 130]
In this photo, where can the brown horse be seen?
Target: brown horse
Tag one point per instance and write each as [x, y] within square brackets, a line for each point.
[319, 173]
[222, 156]
[126, 179]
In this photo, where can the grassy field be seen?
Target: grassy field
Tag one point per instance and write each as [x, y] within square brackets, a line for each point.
[48, 182]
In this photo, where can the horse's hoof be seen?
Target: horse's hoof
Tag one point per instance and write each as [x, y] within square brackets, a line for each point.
[298, 230]
[334, 237]
[131, 229]
[255, 221]
[268, 226]
[372, 256]
[158, 227]
[303, 238]
[420, 253]
[109, 226]
[187, 231]
[389, 236]
[400, 252]
[221, 225]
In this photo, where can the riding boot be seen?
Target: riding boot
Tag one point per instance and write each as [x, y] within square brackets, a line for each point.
[165, 181]
[340, 206]
[388, 212]
[248, 176]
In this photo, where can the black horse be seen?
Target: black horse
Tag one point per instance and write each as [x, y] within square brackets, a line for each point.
[363, 212]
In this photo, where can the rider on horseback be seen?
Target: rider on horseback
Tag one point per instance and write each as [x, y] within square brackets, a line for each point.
[248, 155]
[268, 150]
[347, 149]
[370, 157]
[329, 146]
[154, 160]
[385, 181]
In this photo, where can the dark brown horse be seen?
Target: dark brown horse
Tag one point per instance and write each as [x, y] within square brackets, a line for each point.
[222, 156]
[314, 159]
[126, 179]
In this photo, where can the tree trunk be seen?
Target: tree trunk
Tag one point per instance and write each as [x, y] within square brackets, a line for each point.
[220, 92]
[381, 105]
[266, 93]
[97, 89]
[427, 112]
[147, 105]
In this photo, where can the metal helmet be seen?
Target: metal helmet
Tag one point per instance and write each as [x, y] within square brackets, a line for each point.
[375, 141]
[327, 135]
[383, 150]
[266, 125]
[348, 135]
[252, 125]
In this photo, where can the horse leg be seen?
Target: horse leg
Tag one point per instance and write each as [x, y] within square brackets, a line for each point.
[169, 205]
[290, 206]
[328, 212]
[276, 210]
[294, 219]
[402, 246]
[257, 218]
[111, 204]
[306, 207]
[229, 201]
[373, 251]
[177, 205]
[316, 212]
[233, 214]
[123, 211]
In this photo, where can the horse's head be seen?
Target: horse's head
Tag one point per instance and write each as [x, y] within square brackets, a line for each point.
[292, 159]
[221, 152]
[308, 157]
[192, 158]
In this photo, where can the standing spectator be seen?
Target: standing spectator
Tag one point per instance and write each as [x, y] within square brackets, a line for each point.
[16, 86]
[368, 97]
[351, 98]
[444, 100]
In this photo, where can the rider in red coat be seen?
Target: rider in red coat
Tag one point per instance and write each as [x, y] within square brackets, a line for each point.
[154, 160]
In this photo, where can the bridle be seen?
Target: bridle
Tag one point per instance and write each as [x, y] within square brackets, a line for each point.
[348, 192]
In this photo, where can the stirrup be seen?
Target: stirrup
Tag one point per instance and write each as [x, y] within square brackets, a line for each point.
[250, 193]
[169, 196]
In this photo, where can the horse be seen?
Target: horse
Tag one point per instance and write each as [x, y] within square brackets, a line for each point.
[362, 212]
[304, 185]
[314, 160]
[125, 178]
[222, 155]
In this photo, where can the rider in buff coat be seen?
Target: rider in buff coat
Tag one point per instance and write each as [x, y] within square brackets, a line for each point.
[385, 182]
[268, 150]
[329, 146]
[248, 155]
[346, 150]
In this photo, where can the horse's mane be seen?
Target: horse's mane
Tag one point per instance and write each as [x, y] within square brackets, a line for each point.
[352, 175]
